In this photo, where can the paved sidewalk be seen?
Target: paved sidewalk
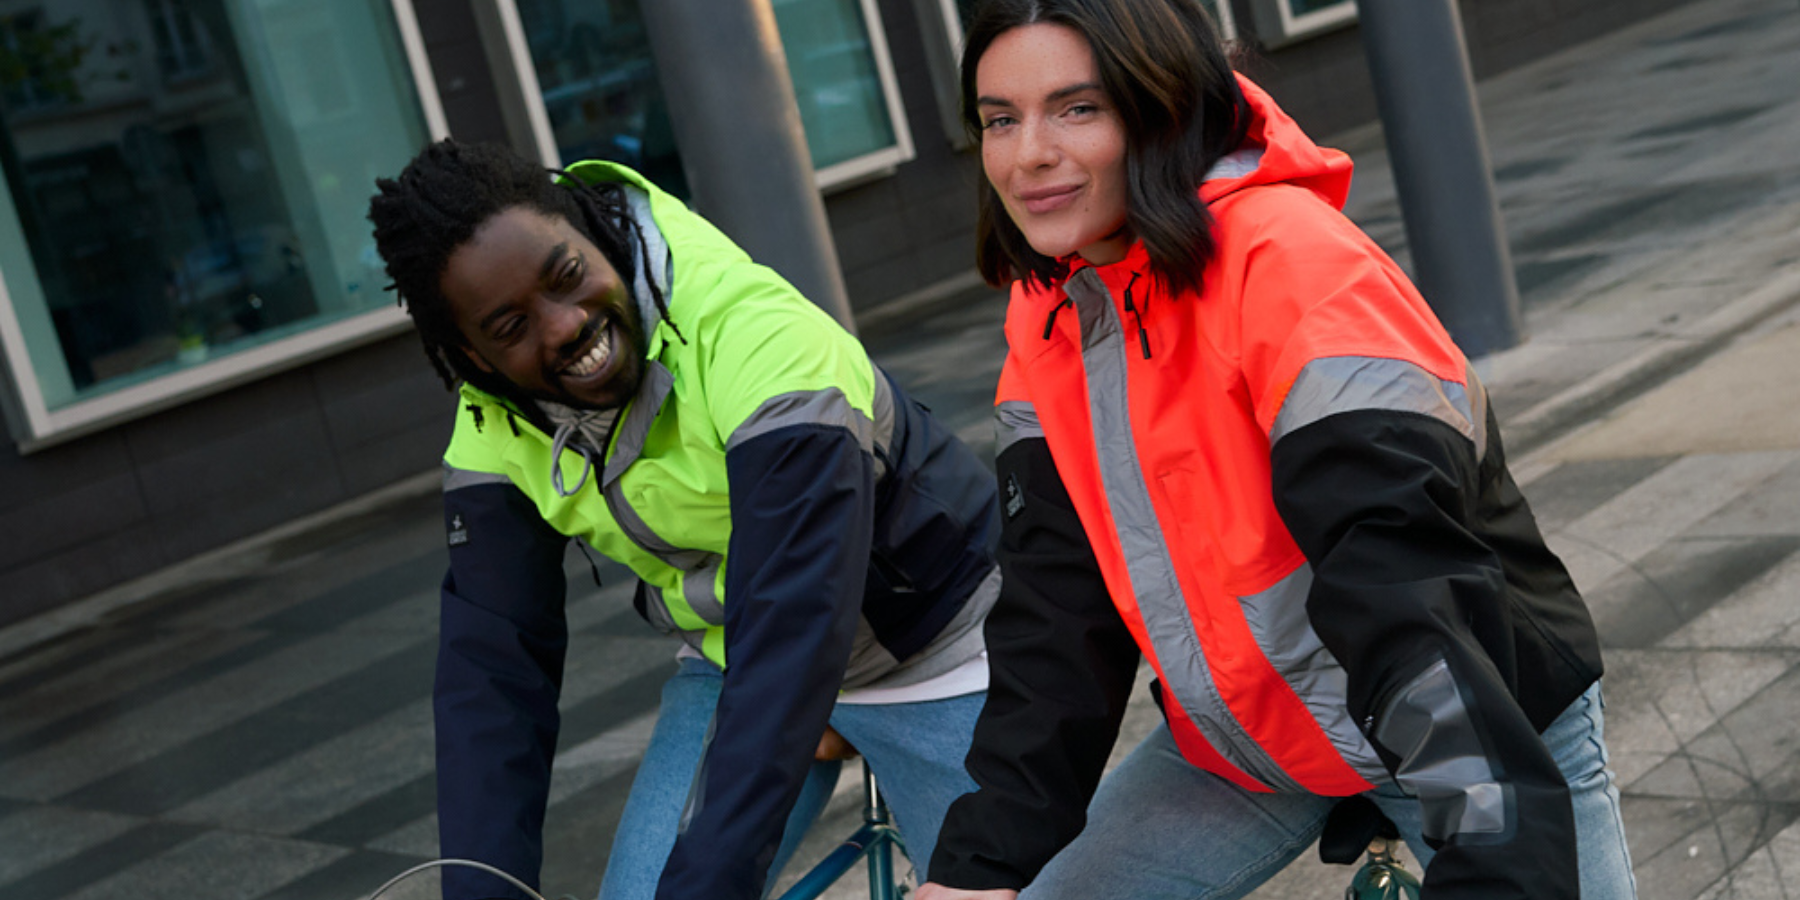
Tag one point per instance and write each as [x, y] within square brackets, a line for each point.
[255, 723]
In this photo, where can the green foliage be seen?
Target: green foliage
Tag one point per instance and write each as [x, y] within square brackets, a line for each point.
[46, 57]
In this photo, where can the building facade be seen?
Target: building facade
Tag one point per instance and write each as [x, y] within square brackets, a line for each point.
[195, 342]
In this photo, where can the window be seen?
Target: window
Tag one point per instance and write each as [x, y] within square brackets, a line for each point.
[597, 81]
[844, 82]
[192, 211]
[179, 52]
[1281, 22]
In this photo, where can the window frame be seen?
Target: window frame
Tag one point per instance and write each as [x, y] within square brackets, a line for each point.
[1277, 26]
[504, 29]
[34, 426]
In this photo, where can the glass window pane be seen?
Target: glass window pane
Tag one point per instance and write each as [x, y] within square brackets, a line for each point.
[599, 84]
[196, 183]
[836, 83]
[1301, 7]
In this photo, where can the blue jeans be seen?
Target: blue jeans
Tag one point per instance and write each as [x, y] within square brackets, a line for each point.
[1161, 829]
[915, 749]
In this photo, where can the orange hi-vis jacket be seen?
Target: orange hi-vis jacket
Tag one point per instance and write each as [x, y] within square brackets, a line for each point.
[1286, 491]
[1161, 411]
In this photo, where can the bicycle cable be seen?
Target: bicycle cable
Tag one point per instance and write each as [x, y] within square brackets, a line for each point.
[436, 863]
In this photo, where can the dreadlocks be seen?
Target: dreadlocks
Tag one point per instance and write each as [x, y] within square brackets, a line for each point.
[439, 201]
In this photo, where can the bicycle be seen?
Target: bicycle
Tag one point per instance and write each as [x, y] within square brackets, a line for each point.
[876, 840]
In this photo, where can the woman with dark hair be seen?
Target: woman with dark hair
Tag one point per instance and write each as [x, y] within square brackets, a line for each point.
[631, 382]
[1235, 443]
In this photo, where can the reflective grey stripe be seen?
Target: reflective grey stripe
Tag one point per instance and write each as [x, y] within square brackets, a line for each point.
[886, 420]
[456, 479]
[1167, 619]
[822, 407]
[628, 445]
[1277, 619]
[652, 394]
[1441, 760]
[697, 590]
[1015, 421]
[658, 615]
[1339, 384]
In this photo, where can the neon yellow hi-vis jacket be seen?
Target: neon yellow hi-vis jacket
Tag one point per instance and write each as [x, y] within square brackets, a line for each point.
[788, 510]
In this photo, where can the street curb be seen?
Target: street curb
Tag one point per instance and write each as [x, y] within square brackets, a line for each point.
[1581, 403]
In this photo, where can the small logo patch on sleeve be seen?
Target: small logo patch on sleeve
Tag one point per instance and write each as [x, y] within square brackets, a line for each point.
[459, 533]
[1015, 497]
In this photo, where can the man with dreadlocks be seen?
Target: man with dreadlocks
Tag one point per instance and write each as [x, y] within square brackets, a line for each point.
[631, 380]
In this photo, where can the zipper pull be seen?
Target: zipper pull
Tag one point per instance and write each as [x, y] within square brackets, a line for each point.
[1143, 337]
[1050, 320]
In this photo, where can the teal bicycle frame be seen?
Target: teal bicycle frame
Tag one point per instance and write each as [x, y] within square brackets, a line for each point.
[876, 839]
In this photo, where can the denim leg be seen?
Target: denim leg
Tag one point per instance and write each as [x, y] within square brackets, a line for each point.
[1161, 829]
[659, 792]
[1577, 741]
[916, 751]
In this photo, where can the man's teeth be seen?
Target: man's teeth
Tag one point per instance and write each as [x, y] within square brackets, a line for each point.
[594, 359]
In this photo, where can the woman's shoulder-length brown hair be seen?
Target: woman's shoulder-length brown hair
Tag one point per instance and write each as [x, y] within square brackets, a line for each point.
[1167, 74]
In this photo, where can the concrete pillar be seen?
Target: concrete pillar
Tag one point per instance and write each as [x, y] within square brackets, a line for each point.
[742, 145]
[1426, 94]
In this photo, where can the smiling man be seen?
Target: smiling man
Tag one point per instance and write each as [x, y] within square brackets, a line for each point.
[632, 382]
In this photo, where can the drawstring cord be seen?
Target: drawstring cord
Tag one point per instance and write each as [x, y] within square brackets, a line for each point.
[558, 444]
[1050, 320]
[1138, 315]
[578, 430]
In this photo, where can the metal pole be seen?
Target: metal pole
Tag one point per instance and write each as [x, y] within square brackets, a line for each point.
[1426, 94]
[742, 145]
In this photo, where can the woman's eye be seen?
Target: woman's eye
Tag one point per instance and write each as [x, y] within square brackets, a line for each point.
[996, 122]
[571, 274]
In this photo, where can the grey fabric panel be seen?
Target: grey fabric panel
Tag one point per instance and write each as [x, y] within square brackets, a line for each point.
[1338, 384]
[869, 660]
[628, 445]
[1186, 674]
[1278, 620]
[958, 642]
[655, 257]
[1236, 164]
[1015, 421]
[697, 588]
[886, 420]
[456, 479]
[822, 407]
[657, 613]
[1441, 759]
[1093, 305]
[1478, 411]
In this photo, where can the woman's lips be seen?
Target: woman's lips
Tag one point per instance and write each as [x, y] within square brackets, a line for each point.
[1043, 200]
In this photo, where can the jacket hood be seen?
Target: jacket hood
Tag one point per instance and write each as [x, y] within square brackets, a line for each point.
[654, 262]
[1276, 151]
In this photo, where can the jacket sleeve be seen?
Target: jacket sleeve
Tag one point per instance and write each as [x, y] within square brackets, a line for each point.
[802, 512]
[502, 639]
[1380, 502]
[1061, 665]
